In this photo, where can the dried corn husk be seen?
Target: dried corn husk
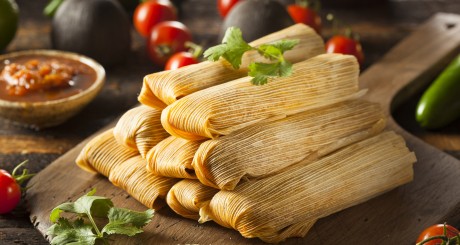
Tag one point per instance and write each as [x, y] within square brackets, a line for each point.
[219, 110]
[148, 189]
[103, 153]
[187, 196]
[140, 128]
[173, 157]
[286, 204]
[163, 88]
[265, 148]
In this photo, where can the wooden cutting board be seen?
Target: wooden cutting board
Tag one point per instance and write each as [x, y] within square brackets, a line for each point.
[396, 217]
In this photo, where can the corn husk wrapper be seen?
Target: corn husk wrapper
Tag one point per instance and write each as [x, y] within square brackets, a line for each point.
[320, 81]
[103, 153]
[140, 128]
[285, 205]
[148, 189]
[187, 196]
[163, 88]
[173, 157]
[265, 148]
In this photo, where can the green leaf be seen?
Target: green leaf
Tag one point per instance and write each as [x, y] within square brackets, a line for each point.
[127, 222]
[232, 48]
[66, 232]
[214, 53]
[261, 72]
[285, 44]
[88, 204]
[270, 52]
[285, 69]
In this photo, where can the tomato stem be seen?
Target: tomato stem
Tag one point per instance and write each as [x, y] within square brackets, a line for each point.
[52, 7]
[24, 175]
[442, 237]
[18, 166]
[195, 49]
[337, 24]
[312, 4]
[445, 239]
[163, 50]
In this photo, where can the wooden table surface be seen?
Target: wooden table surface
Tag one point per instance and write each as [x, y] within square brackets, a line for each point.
[380, 24]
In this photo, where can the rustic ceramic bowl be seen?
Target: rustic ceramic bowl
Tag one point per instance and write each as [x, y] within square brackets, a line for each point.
[39, 115]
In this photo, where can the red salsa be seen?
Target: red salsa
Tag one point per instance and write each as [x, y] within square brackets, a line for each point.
[35, 78]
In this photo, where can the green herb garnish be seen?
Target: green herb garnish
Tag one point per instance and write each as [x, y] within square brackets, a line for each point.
[233, 47]
[120, 221]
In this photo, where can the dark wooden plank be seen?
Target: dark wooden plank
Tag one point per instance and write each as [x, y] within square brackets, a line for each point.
[20, 236]
[393, 218]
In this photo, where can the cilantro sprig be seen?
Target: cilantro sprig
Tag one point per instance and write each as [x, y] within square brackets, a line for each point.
[120, 221]
[233, 47]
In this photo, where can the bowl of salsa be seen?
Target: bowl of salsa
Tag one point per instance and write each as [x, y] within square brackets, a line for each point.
[44, 88]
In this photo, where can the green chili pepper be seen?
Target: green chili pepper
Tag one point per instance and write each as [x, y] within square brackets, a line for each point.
[440, 104]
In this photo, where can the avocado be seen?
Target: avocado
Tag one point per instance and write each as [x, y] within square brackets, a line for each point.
[99, 29]
[257, 18]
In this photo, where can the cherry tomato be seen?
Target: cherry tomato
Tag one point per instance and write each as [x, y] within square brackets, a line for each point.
[437, 230]
[345, 45]
[10, 192]
[166, 39]
[179, 60]
[150, 13]
[306, 16]
[224, 6]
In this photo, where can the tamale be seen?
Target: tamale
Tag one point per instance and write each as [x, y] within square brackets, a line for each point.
[187, 196]
[140, 128]
[265, 148]
[173, 157]
[323, 80]
[288, 203]
[163, 88]
[103, 153]
[148, 189]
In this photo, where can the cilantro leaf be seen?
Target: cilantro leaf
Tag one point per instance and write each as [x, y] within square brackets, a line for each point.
[121, 221]
[285, 44]
[127, 222]
[275, 51]
[270, 52]
[66, 232]
[261, 72]
[214, 53]
[232, 48]
[88, 204]
[285, 69]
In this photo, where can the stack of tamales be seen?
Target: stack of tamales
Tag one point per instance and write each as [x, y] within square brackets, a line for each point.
[266, 160]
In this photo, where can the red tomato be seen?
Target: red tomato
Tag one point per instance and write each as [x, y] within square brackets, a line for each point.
[345, 45]
[437, 230]
[10, 192]
[166, 39]
[306, 16]
[179, 60]
[224, 6]
[150, 13]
